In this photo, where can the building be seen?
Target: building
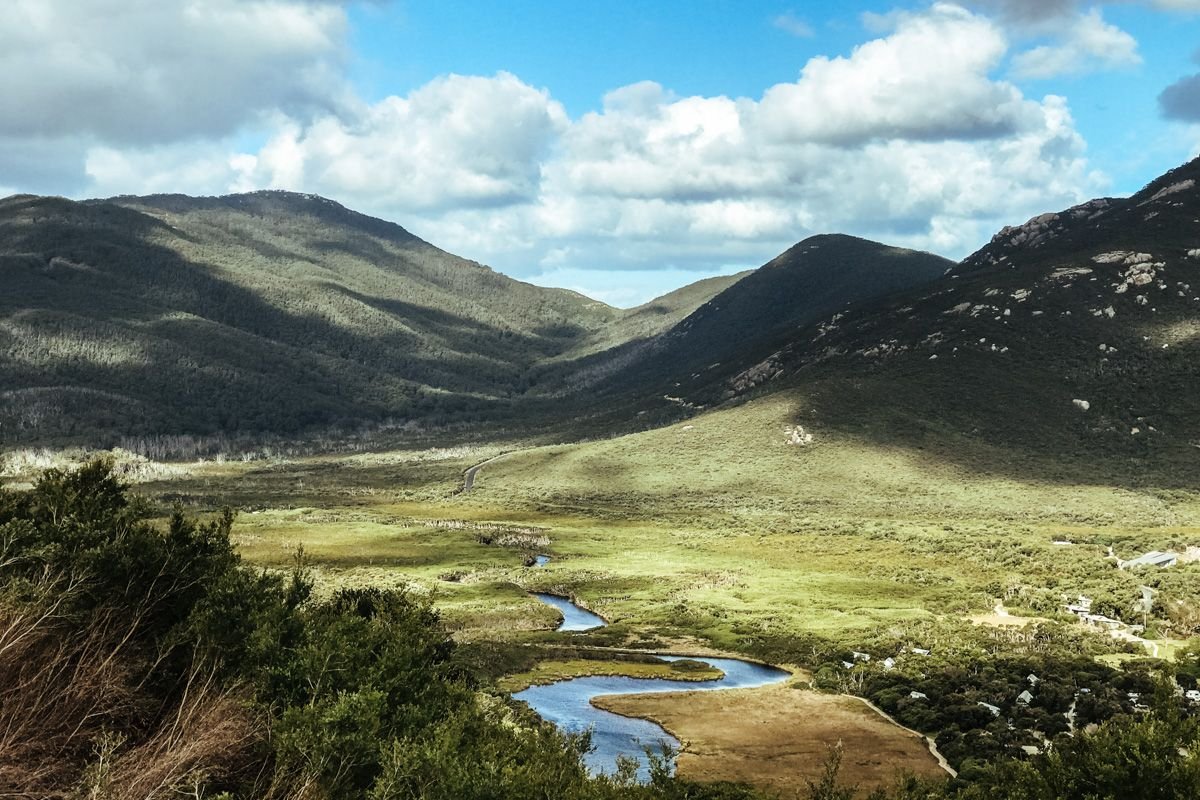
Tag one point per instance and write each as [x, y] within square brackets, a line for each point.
[1025, 698]
[1081, 606]
[1155, 558]
[1101, 621]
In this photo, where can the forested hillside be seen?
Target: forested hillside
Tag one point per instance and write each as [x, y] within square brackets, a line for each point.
[264, 312]
[749, 319]
[1073, 339]
[287, 314]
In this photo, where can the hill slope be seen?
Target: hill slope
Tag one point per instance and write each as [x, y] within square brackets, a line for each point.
[1098, 304]
[762, 312]
[267, 311]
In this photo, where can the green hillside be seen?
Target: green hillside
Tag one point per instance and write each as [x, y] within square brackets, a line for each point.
[262, 312]
[288, 314]
[761, 313]
[1098, 304]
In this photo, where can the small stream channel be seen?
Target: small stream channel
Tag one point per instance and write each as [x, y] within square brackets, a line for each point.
[568, 703]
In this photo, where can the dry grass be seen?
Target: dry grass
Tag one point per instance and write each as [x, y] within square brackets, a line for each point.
[778, 737]
[58, 694]
[76, 721]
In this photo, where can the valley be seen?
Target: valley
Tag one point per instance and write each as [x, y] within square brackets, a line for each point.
[886, 473]
[719, 535]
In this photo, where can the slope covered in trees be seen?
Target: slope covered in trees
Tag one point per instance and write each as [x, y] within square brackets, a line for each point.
[1072, 340]
[268, 311]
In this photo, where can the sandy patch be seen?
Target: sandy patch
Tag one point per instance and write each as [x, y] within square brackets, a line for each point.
[777, 737]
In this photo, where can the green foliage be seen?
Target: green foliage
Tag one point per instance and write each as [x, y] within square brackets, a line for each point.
[1127, 757]
[360, 692]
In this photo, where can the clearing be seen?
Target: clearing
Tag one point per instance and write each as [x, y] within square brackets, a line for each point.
[778, 737]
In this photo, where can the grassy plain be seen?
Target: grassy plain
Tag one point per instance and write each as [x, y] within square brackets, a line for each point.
[779, 737]
[712, 530]
[711, 535]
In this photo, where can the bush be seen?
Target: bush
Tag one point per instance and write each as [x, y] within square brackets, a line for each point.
[142, 662]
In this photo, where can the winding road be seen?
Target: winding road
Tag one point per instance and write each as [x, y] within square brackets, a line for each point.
[469, 475]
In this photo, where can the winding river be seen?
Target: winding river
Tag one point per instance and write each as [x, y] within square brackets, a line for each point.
[568, 703]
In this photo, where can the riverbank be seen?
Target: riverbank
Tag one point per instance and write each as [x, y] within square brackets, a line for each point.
[547, 672]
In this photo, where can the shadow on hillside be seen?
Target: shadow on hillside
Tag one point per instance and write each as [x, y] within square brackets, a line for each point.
[204, 354]
[1021, 431]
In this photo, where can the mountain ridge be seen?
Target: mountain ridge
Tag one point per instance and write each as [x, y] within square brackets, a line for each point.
[1094, 303]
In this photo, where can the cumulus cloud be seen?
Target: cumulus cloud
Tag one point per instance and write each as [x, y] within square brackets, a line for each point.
[927, 80]
[140, 73]
[1089, 44]
[908, 139]
[144, 71]
[1181, 100]
[457, 141]
[1040, 12]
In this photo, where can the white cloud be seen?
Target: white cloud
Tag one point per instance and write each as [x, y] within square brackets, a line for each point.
[908, 139]
[146, 71]
[927, 80]
[1088, 45]
[457, 141]
[790, 23]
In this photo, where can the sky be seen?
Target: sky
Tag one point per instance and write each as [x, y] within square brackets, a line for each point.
[621, 149]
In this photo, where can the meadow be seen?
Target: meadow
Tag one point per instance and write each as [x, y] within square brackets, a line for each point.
[714, 530]
[718, 535]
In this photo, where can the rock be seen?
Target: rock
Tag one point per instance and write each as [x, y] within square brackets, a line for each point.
[798, 436]
[1082, 405]
[1182, 186]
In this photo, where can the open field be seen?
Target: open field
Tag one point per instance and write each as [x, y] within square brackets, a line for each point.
[779, 737]
[715, 529]
[714, 535]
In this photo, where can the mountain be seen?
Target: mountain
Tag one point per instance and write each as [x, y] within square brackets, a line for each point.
[1071, 339]
[763, 311]
[1069, 344]
[265, 311]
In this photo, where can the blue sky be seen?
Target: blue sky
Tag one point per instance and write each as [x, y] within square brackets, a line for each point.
[620, 149]
[580, 51]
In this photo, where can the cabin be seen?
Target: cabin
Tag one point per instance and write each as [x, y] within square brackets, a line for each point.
[1025, 698]
[889, 663]
[994, 709]
[1081, 606]
[915, 695]
[1155, 558]
[920, 651]
[1101, 621]
[1034, 680]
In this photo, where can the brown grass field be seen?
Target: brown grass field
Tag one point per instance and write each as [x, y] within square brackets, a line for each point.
[779, 737]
